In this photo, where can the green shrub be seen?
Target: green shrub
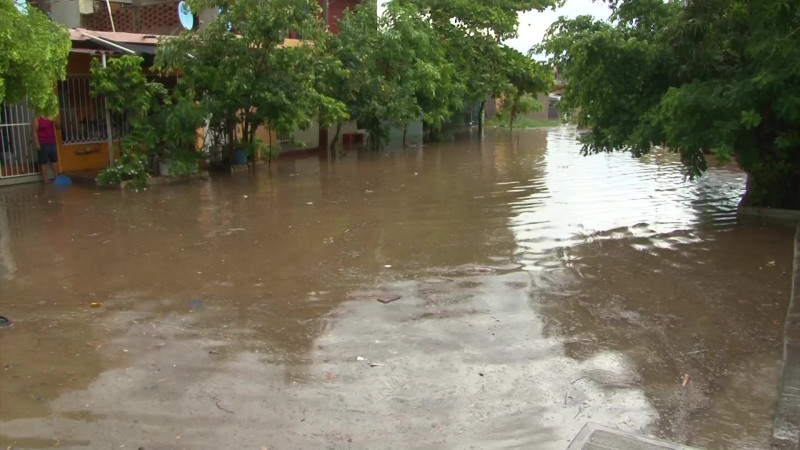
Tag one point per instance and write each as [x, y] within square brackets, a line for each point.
[183, 163]
[130, 165]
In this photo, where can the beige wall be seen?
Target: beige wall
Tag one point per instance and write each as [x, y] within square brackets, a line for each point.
[309, 137]
[541, 114]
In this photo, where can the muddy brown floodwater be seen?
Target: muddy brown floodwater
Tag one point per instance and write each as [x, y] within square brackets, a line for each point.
[539, 290]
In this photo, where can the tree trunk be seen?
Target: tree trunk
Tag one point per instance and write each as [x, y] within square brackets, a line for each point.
[480, 117]
[336, 138]
[269, 157]
[768, 190]
[512, 114]
[405, 133]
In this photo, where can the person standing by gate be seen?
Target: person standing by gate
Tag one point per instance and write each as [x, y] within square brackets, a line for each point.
[44, 137]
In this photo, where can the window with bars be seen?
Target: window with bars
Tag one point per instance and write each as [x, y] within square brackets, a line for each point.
[83, 118]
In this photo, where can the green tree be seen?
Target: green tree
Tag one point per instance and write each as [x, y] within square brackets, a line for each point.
[33, 56]
[472, 32]
[371, 83]
[130, 96]
[524, 79]
[514, 104]
[711, 76]
[125, 86]
[159, 122]
[240, 71]
[395, 69]
[330, 80]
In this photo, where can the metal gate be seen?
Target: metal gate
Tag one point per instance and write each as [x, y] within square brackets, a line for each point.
[17, 152]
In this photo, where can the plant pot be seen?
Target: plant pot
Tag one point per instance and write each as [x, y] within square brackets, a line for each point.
[163, 167]
[240, 157]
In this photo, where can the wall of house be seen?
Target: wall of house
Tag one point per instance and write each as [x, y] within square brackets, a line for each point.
[336, 10]
[157, 18]
[309, 138]
[541, 114]
[66, 12]
[162, 17]
[266, 137]
[347, 127]
[413, 133]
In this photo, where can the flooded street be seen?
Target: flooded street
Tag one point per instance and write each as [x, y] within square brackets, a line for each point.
[538, 290]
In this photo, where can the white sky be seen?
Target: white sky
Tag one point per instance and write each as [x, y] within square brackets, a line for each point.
[533, 25]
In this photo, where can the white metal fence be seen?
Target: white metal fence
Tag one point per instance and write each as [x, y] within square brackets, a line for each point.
[17, 152]
[83, 119]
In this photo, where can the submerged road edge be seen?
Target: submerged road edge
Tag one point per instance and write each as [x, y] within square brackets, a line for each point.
[786, 424]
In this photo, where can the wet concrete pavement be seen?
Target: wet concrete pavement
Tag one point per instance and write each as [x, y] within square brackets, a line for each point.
[539, 290]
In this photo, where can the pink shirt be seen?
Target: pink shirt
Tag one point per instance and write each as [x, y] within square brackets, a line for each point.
[46, 132]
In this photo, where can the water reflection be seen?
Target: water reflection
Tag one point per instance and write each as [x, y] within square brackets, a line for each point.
[574, 199]
[537, 288]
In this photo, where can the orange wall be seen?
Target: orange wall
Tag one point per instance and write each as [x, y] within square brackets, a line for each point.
[79, 63]
[78, 157]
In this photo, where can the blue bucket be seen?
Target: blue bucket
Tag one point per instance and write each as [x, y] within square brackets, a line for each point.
[62, 181]
[240, 157]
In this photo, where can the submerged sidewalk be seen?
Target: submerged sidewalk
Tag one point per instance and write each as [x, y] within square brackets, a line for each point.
[786, 426]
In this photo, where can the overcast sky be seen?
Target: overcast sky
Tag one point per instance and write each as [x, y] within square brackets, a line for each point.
[532, 25]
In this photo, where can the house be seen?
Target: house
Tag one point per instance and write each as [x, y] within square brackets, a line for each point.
[85, 131]
[87, 134]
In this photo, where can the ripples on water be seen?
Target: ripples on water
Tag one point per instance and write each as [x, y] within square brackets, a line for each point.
[578, 199]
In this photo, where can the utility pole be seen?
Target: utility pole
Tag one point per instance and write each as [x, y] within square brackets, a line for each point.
[325, 12]
[137, 15]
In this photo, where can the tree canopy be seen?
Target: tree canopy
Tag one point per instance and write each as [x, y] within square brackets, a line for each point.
[33, 56]
[472, 32]
[242, 71]
[698, 77]
[395, 69]
[420, 59]
[428, 58]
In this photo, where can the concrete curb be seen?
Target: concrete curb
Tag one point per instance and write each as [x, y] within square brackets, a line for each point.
[91, 181]
[789, 215]
[786, 424]
[597, 437]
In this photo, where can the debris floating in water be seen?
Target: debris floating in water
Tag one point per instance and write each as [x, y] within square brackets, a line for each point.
[388, 298]
[96, 305]
[685, 379]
